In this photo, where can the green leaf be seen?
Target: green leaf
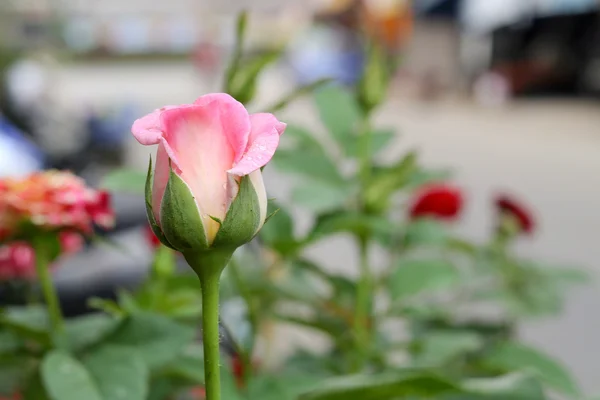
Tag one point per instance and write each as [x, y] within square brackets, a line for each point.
[242, 85]
[413, 277]
[161, 388]
[387, 180]
[13, 370]
[278, 232]
[514, 386]
[422, 177]
[87, 330]
[512, 356]
[9, 342]
[339, 113]
[124, 180]
[119, 372]
[33, 388]
[564, 277]
[313, 165]
[297, 92]
[380, 139]
[109, 307]
[352, 222]
[229, 389]
[321, 197]
[396, 385]
[28, 322]
[440, 347]
[65, 378]
[426, 231]
[304, 141]
[280, 386]
[157, 338]
[188, 366]
[127, 301]
[331, 326]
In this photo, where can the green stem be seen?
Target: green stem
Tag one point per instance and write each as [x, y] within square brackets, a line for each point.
[210, 334]
[363, 300]
[293, 95]
[364, 145]
[42, 266]
[364, 289]
[208, 265]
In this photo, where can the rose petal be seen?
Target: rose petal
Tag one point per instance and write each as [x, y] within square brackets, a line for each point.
[198, 141]
[262, 143]
[148, 130]
[234, 119]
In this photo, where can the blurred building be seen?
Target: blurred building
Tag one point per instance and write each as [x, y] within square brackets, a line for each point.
[141, 26]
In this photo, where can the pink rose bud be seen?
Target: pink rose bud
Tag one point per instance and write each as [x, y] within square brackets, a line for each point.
[206, 189]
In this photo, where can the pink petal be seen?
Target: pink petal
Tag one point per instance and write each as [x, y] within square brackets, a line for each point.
[262, 143]
[70, 242]
[198, 141]
[234, 119]
[161, 177]
[148, 130]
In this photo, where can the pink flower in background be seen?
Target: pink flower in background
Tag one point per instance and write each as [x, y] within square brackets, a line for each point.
[210, 145]
[507, 205]
[17, 259]
[440, 201]
[51, 201]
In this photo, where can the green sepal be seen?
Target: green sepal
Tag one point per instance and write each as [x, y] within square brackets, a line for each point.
[149, 211]
[242, 219]
[180, 218]
[271, 215]
[206, 263]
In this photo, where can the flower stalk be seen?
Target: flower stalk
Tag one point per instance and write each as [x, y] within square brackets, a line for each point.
[42, 266]
[209, 265]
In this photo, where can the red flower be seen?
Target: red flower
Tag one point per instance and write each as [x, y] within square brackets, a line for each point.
[237, 368]
[440, 201]
[151, 238]
[510, 206]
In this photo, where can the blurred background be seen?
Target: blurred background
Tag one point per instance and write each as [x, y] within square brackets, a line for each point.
[505, 92]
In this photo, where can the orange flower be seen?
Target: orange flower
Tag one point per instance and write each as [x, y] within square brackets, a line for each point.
[51, 201]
